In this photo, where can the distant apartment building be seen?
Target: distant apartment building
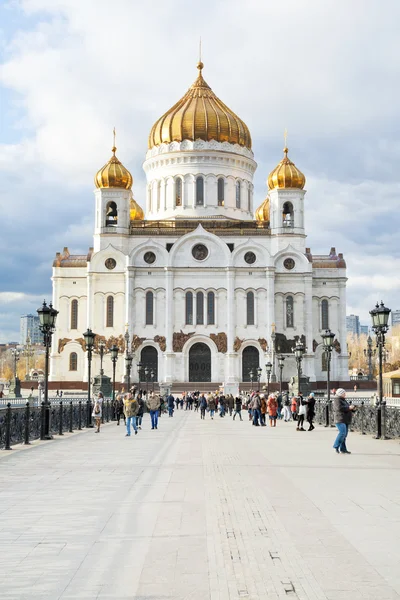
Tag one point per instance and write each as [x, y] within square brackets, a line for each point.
[395, 317]
[353, 324]
[364, 329]
[29, 325]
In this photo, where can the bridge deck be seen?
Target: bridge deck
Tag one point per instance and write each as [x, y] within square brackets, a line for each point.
[200, 510]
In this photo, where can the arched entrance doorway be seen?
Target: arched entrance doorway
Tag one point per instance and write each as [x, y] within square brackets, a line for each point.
[149, 360]
[250, 362]
[199, 362]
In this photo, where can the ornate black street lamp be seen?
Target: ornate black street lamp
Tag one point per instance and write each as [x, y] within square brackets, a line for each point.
[114, 357]
[152, 376]
[101, 351]
[139, 370]
[369, 353]
[128, 361]
[146, 374]
[298, 352]
[327, 339]
[259, 371]
[380, 319]
[268, 369]
[89, 338]
[281, 360]
[251, 376]
[47, 323]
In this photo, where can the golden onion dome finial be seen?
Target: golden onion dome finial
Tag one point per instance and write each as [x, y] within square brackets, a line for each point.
[200, 115]
[135, 211]
[113, 174]
[262, 212]
[286, 174]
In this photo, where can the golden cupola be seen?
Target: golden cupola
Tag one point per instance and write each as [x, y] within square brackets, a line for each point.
[286, 175]
[262, 212]
[200, 115]
[135, 211]
[113, 174]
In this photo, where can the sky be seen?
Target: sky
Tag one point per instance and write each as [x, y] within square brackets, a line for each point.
[71, 70]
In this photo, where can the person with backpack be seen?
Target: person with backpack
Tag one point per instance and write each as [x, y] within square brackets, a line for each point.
[203, 406]
[286, 407]
[98, 411]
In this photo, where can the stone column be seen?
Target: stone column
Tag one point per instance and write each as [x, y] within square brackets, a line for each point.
[308, 326]
[129, 312]
[169, 324]
[231, 356]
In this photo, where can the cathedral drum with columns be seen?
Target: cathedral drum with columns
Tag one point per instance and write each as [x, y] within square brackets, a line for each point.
[207, 290]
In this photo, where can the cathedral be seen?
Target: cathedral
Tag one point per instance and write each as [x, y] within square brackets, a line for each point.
[199, 287]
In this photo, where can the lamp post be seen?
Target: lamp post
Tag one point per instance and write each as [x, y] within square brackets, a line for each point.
[16, 356]
[369, 353]
[281, 360]
[114, 357]
[259, 371]
[89, 338]
[139, 370]
[47, 322]
[298, 352]
[251, 375]
[146, 374]
[101, 350]
[28, 353]
[268, 369]
[380, 318]
[152, 376]
[273, 338]
[327, 339]
[128, 360]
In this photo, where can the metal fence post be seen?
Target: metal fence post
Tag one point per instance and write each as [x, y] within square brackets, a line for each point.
[378, 422]
[42, 420]
[88, 413]
[383, 420]
[60, 423]
[362, 418]
[327, 414]
[27, 423]
[8, 428]
[107, 410]
[79, 415]
[71, 413]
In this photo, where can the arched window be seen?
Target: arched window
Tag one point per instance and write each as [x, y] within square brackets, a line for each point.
[149, 308]
[189, 308]
[289, 312]
[250, 363]
[221, 191]
[199, 308]
[238, 194]
[199, 191]
[324, 314]
[249, 199]
[210, 308]
[250, 308]
[178, 192]
[73, 361]
[287, 215]
[111, 215]
[74, 314]
[110, 312]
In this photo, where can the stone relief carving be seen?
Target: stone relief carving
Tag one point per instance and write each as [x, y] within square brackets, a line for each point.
[263, 343]
[237, 344]
[118, 341]
[220, 340]
[82, 344]
[62, 343]
[285, 346]
[315, 345]
[336, 345]
[136, 342]
[199, 145]
[179, 339]
[161, 341]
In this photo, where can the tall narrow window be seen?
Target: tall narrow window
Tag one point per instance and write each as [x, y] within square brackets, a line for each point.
[111, 214]
[221, 191]
[178, 192]
[199, 191]
[289, 312]
[249, 199]
[149, 308]
[250, 308]
[325, 314]
[74, 314]
[199, 308]
[110, 312]
[238, 193]
[73, 361]
[210, 308]
[189, 308]
[287, 215]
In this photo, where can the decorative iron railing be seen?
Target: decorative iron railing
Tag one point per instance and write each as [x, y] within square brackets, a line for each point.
[380, 420]
[22, 424]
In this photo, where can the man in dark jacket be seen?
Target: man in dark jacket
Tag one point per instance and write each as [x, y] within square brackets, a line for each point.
[171, 405]
[238, 408]
[342, 414]
[311, 411]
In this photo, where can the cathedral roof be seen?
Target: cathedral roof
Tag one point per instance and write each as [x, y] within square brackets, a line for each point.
[113, 174]
[65, 259]
[286, 175]
[199, 114]
[135, 211]
[262, 212]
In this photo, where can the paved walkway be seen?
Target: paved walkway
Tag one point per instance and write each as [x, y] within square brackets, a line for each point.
[212, 510]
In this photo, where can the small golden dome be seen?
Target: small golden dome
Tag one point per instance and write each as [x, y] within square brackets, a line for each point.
[135, 211]
[286, 175]
[113, 175]
[262, 212]
[200, 115]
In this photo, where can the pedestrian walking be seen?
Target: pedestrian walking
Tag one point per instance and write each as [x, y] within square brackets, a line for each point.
[177, 403]
[118, 406]
[302, 411]
[98, 411]
[211, 405]
[263, 410]
[293, 408]
[222, 404]
[203, 406]
[272, 405]
[280, 405]
[311, 411]
[238, 408]
[256, 408]
[182, 401]
[171, 405]
[131, 409]
[230, 403]
[342, 414]
[286, 407]
[153, 404]
[139, 416]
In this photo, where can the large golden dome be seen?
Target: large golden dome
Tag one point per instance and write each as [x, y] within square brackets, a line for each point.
[200, 115]
[135, 211]
[286, 175]
[262, 212]
[113, 175]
